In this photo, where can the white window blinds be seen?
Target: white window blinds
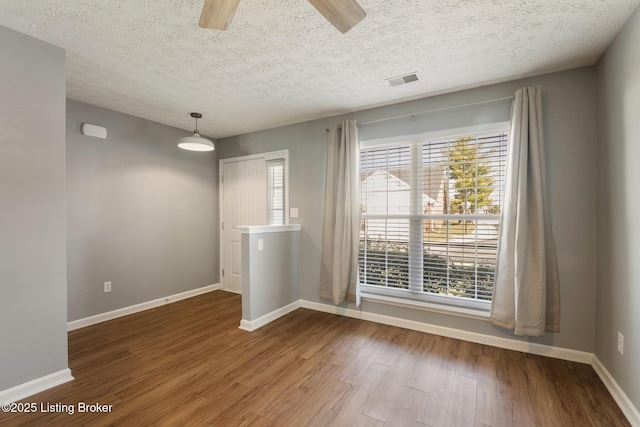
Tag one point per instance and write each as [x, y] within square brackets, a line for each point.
[430, 217]
[276, 191]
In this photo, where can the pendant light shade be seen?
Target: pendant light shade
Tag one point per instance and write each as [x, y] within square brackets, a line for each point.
[195, 142]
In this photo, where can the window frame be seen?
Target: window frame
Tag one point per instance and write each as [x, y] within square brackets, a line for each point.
[412, 298]
[270, 165]
[275, 155]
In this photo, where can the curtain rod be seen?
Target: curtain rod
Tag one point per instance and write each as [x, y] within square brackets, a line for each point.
[430, 111]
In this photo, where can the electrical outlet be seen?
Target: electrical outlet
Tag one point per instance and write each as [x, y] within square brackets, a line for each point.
[620, 343]
[107, 286]
[260, 244]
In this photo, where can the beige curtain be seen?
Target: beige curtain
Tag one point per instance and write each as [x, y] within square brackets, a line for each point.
[526, 292]
[341, 227]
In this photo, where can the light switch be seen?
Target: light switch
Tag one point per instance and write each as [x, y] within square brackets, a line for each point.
[293, 212]
[260, 244]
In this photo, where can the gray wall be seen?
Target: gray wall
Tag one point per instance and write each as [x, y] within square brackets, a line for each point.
[270, 277]
[142, 213]
[570, 131]
[33, 265]
[618, 283]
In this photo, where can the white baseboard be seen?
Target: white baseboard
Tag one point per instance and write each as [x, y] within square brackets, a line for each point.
[627, 407]
[506, 343]
[36, 386]
[252, 325]
[629, 410]
[125, 311]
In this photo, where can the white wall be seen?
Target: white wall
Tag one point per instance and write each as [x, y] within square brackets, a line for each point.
[618, 283]
[33, 262]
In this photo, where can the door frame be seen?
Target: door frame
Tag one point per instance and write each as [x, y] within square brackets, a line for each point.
[271, 155]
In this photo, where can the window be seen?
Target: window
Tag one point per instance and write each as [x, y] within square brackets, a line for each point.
[275, 191]
[431, 216]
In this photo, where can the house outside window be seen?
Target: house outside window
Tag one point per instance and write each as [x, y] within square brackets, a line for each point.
[431, 217]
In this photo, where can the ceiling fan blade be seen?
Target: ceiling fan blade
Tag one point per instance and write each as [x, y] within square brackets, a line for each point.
[217, 14]
[343, 14]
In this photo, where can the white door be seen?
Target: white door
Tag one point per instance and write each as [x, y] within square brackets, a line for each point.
[244, 193]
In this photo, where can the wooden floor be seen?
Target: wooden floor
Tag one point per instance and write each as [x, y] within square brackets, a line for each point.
[188, 364]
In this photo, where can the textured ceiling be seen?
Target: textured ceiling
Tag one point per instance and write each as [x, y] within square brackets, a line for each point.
[281, 62]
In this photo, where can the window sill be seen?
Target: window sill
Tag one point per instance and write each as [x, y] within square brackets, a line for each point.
[427, 306]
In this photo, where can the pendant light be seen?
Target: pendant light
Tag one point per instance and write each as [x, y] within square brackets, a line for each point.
[195, 142]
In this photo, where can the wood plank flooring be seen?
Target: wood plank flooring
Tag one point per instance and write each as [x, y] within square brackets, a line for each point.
[188, 364]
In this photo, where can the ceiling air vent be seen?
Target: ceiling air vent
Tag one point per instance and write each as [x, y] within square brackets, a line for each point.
[401, 80]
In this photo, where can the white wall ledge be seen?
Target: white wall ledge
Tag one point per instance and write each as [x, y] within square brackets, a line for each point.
[470, 313]
[256, 229]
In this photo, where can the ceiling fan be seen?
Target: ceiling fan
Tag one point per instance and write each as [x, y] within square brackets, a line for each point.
[343, 14]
